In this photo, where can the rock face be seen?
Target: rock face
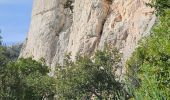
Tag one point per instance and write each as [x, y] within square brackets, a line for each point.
[55, 30]
[49, 31]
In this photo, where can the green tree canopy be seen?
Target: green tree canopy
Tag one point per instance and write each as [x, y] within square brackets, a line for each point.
[0, 39]
[87, 77]
[26, 79]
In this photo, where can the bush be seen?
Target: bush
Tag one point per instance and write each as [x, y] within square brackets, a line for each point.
[69, 4]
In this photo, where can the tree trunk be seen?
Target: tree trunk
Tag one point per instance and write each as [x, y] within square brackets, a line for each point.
[98, 96]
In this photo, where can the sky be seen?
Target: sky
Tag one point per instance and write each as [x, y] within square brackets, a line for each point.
[15, 16]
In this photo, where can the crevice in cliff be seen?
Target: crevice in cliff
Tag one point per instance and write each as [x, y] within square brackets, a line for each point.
[45, 11]
[89, 16]
[107, 5]
[101, 32]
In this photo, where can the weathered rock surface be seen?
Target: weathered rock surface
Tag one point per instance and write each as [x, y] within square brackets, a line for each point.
[55, 31]
[49, 31]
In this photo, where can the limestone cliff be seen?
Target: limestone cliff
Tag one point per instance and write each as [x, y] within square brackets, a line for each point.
[56, 29]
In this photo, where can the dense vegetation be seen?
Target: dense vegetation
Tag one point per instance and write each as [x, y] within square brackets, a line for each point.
[90, 77]
[150, 63]
[23, 79]
[12, 52]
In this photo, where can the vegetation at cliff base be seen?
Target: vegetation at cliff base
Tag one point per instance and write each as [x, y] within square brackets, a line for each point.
[148, 70]
[23, 79]
[90, 78]
[13, 51]
[150, 63]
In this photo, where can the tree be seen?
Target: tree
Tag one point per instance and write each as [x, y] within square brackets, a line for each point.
[0, 39]
[87, 77]
[3, 63]
[26, 79]
[12, 52]
[23, 79]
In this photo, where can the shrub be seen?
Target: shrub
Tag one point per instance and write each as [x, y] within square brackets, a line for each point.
[69, 4]
[87, 77]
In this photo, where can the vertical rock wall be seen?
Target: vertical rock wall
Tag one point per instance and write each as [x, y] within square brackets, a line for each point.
[49, 31]
[55, 30]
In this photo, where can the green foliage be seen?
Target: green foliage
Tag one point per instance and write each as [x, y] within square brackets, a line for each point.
[69, 4]
[87, 77]
[160, 6]
[25, 79]
[150, 63]
[0, 39]
[12, 52]
[3, 58]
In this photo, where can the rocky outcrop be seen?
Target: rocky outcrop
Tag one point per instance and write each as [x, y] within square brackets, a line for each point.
[49, 31]
[55, 30]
